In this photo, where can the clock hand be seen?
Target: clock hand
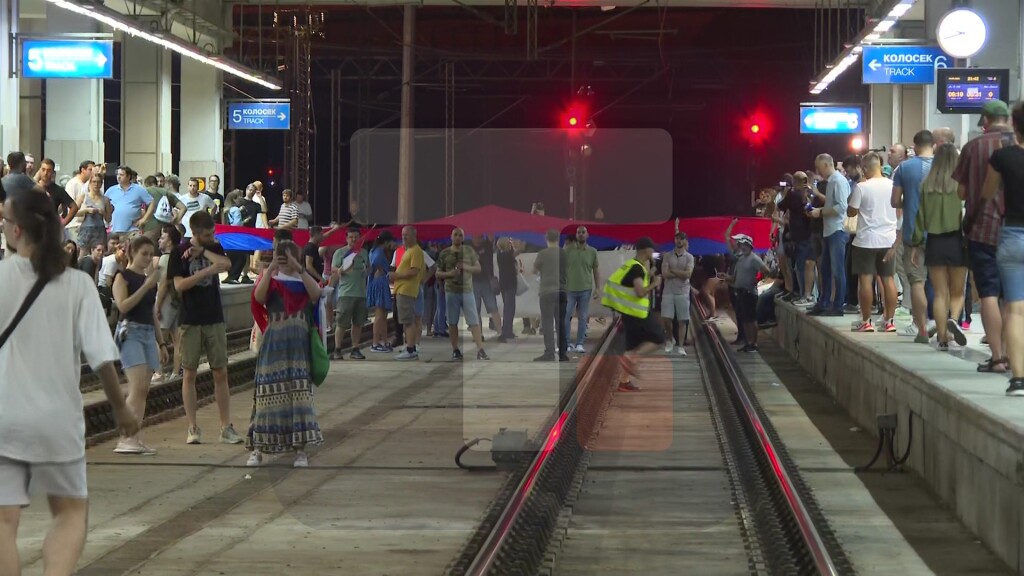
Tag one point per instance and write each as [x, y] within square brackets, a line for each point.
[954, 35]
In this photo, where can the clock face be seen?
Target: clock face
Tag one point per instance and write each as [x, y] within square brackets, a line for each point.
[961, 33]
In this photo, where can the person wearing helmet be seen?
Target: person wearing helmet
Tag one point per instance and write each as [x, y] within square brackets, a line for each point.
[744, 281]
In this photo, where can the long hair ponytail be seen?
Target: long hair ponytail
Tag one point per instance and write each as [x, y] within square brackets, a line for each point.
[34, 213]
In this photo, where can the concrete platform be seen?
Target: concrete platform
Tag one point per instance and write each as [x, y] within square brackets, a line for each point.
[968, 437]
[382, 495]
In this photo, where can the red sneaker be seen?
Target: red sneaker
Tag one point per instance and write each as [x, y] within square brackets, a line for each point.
[865, 327]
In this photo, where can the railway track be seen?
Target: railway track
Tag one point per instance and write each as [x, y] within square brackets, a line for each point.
[768, 516]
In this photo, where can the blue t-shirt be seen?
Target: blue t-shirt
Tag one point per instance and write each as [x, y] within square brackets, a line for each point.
[909, 175]
[837, 194]
[128, 206]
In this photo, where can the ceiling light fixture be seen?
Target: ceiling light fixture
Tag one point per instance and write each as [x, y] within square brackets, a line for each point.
[870, 34]
[118, 21]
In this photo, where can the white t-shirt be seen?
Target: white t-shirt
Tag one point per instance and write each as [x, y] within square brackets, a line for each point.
[193, 205]
[876, 222]
[76, 188]
[41, 408]
[108, 267]
[261, 219]
[305, 214]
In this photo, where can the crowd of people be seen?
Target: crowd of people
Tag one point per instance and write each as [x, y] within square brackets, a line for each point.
[924, 233]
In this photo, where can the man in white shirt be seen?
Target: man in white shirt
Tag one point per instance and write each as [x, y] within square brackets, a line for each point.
[42, 425]
[873, 252]
[195, 202]
[305, 211]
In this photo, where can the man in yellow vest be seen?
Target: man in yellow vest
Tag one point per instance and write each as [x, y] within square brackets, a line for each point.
[628, 292]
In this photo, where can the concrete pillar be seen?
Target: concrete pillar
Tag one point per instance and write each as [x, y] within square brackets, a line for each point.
[145, 106]
[406, 142]
[1002, 50]
[10, 90]
[202, 136]
[883, 116]
[74, 108]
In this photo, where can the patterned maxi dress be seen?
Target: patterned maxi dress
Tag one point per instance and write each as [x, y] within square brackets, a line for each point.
[283, 417]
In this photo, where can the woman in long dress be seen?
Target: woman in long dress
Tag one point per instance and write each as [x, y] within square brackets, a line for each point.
[283, 418]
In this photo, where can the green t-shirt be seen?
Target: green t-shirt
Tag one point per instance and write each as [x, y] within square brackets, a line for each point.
[353, 281]
[552, 270]
[579, 268]
[446, 262]
[157, 193]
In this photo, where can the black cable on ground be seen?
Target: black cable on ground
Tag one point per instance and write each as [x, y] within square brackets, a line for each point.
[465, 448]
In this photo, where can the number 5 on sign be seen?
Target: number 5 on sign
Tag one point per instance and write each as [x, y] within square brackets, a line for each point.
[236, 116]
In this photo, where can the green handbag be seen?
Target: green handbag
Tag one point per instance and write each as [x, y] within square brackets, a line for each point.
[319, 362]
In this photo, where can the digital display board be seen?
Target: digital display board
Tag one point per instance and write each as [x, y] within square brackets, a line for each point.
[965, 90]
[67, 59]
[831, 119]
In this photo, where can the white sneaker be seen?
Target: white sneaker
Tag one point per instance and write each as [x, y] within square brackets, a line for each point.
[406, 355]
[195, 435]
[579, 349]
[255, 458]
[133, 446]
[301, 460]
[668, 347]
[910, 330]
[680, 351]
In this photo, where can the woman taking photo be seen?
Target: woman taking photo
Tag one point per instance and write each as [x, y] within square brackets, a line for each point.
[939, 217]
[95, 213]
[283, 418]
[142, 345]
[378, 291]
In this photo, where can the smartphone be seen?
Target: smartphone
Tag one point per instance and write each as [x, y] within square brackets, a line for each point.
[783, 184]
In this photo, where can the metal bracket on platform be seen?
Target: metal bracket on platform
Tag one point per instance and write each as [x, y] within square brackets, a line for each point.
[887, 426]
[508, 448]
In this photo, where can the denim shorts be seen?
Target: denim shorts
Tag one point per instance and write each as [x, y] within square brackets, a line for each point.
[463, 303]
[985, 269]
[139, 347]
[1011, 262]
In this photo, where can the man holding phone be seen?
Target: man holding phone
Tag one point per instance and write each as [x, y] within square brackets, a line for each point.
[195, 269]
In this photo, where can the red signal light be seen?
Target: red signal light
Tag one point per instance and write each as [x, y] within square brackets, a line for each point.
[755, 128]
[270, 172]
[573, 121]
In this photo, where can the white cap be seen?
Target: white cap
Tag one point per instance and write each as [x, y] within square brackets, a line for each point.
[743, 238]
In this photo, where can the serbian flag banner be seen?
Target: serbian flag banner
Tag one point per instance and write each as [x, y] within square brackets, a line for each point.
[296, 299]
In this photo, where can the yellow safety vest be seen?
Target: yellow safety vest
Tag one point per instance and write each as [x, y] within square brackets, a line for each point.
[624, 300]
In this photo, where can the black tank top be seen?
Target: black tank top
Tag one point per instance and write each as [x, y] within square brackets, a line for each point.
[142, 313]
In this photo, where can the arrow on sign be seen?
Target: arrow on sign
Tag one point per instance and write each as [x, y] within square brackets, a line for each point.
[809, 120]
[874, 65]
[100, 59]
[281, 116]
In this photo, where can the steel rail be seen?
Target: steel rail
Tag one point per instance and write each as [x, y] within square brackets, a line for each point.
[488, 552]
[812, 538]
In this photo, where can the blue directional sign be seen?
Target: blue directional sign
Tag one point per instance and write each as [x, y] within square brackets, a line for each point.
[831, 120]
[67, 58]
[259, 115]
[902, 64]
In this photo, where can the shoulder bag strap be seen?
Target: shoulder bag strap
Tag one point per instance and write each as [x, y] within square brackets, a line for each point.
[29, 300]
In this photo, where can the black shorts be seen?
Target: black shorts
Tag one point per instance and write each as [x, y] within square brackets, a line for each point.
[946, 249]
[745, 306]
[871, 261]
[637, 331]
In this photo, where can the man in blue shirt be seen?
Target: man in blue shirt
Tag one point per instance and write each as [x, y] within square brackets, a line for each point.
[906, 195]
[833, 259]
[133, 205]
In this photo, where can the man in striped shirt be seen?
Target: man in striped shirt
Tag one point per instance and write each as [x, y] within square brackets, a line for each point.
[983, 236]
[288, 217]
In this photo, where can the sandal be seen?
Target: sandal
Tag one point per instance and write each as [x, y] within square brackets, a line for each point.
[990, 365]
